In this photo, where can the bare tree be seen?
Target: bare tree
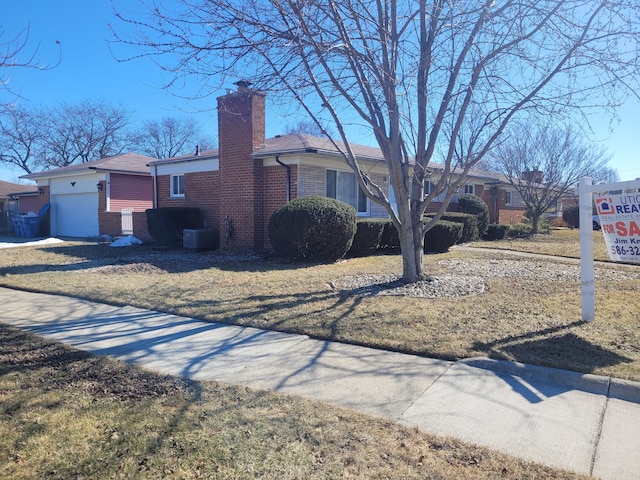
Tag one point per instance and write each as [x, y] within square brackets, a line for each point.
[309, 127]
[606, 175]
[167, 137]
[11, 50]
[544, 163]
[21, 137]
[83, 132]
[436, 81]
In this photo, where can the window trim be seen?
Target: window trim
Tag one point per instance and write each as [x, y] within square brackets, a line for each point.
[172, 192]
[508, 198]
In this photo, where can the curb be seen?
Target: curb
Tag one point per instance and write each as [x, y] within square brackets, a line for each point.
[580, 381]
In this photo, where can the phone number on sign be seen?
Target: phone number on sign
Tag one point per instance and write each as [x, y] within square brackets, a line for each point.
[619, 250]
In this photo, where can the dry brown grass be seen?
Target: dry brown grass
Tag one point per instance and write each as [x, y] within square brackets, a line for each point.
[68, 415]
[562, 242]
[522, 319]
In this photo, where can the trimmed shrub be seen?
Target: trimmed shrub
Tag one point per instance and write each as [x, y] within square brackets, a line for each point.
[442, 236]
[312, 229]
[495, 232]
[166, 224]
[367, 238]
[571, 216]
[469, 224]
[474, 205]
[390, 240]
[518, 230]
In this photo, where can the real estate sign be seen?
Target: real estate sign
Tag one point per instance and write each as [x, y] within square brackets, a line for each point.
[620, 221]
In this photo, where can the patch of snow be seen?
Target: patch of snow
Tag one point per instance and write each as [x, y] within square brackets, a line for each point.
[126, 242]
[46, 241]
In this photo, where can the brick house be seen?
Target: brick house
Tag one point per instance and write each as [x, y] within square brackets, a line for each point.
[98, 197]
[249, 176]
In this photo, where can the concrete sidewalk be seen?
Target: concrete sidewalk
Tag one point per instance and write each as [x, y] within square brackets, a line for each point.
[584, 423]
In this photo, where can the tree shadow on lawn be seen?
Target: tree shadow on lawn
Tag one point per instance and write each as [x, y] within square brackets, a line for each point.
[549, 348]
[85, 257]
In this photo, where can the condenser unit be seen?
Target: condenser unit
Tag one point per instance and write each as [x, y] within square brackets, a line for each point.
[198, 239]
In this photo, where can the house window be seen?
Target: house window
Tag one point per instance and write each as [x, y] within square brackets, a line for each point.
[470, 189]
[428, 188]
[344, 187]
[177, 185]
[507, 198]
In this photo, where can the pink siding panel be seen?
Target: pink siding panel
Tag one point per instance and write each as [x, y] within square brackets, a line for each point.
[130, 191]
[29, 203]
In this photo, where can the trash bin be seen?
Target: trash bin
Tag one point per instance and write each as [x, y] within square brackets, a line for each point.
[18, 225]
[31, 226]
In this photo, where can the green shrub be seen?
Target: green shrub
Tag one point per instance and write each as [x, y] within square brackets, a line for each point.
[474, 205]
[442, 236]
[469, 224]
[367, 238]
[166, 224]
[517, 230]
[312, 229]
[495, 232]
[390, 240]
[571, 216]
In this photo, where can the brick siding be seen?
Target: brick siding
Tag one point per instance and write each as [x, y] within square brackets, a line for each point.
[241, 128]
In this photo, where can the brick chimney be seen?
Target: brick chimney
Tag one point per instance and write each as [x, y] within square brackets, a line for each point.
[533, 176]
[241, 128]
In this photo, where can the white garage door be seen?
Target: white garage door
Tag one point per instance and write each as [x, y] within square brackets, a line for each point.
[76, 215]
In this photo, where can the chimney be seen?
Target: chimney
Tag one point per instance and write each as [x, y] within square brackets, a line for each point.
[197, 150]
[533, 176]
[241, 129]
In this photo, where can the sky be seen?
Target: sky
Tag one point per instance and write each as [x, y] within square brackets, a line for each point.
[88, 70]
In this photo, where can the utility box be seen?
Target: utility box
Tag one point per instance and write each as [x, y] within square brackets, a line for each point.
[199, 239]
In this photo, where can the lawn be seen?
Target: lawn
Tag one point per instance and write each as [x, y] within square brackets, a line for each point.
[112, 420]
[562, 242]
[530, 313]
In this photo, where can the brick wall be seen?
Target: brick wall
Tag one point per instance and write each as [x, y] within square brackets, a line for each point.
[275, 193]
[201, 190]
[241, 128]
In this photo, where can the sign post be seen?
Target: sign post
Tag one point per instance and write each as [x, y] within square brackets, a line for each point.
[587, 282]
[619, 216]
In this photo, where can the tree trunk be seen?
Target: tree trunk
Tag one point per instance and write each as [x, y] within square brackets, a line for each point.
[535, 222]
[412, 246]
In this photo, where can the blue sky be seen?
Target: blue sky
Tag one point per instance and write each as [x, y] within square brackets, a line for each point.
[89, 71]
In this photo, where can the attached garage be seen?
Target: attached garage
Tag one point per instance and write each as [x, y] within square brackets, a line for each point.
[87, 198]
[76, 215]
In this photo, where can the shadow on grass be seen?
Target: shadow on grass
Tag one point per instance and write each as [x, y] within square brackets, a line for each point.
[89, 256]
[552, 348]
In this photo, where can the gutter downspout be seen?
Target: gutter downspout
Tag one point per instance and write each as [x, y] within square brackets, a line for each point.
[288, 167]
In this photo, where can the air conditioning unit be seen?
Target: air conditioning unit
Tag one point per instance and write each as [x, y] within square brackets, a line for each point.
[198, 239]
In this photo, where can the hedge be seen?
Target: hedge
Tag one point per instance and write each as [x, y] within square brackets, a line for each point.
[368, 237]
[442, 236]
[469, 223]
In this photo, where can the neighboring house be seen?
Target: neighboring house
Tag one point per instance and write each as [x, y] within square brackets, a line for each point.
[10, 205]
[249, 176]
[106, 196]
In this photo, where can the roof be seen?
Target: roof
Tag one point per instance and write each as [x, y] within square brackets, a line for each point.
[132, 163]
[204, 154]
[301, 143]
[7, 188]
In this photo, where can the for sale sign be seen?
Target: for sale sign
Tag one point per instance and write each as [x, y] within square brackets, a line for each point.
[620, 220]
